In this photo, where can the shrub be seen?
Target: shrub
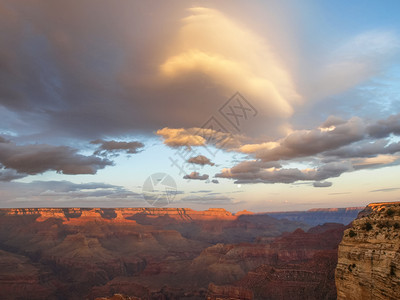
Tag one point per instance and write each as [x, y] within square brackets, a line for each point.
[390, 212]
[349, 267]
[368, 226]
[352, 233]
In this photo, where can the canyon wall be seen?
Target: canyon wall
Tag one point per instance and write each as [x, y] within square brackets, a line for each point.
[163, 253]
[369, 255]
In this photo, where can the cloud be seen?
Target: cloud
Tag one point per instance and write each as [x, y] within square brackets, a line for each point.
[200, 160]
[215, 181]
[196, 176]
[64, 72]
[375, 162]
[209, 199]
[64, 68]
[178, 137]
[211, 43]
[258, 172]
[201, 192]
[62, 193]
[385, 127]
[352, 62]
[335, 147]
[115, 146]
[38, 158]
[322, 184]
[385, 190]
[303, 143]
[335, 137]
[366, 148]
[9, 175]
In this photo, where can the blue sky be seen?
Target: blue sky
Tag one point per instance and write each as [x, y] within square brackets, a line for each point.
[95, 97]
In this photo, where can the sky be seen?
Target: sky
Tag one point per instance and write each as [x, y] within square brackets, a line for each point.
[258, 105]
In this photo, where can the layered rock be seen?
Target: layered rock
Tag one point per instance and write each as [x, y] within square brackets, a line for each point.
[22, 279]
[299, 265]
[369, 255]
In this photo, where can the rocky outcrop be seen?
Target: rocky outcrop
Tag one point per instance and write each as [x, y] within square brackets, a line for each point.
[369, 255]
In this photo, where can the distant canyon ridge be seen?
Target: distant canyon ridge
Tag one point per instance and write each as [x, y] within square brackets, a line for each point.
[170, 253]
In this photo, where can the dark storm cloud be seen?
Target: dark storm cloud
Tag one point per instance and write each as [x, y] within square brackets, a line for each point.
[39, 158]
[76, 65]
[200, 160]
[93, 69]
[215, 181]
[115, 146]
[196, 176]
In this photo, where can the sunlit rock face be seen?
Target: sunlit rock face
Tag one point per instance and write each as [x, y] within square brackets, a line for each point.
[369, 255]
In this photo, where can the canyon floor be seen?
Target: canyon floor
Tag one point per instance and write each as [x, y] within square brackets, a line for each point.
[169, 253]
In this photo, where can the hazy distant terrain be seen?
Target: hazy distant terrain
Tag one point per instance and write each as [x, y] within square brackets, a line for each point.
[319, 216]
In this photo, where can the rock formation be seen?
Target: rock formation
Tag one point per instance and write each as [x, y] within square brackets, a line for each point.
[163, 253]
[369, 255]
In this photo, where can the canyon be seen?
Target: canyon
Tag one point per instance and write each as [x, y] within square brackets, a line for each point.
[164, 253]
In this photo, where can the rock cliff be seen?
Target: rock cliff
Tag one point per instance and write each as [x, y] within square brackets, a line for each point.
[369, 255]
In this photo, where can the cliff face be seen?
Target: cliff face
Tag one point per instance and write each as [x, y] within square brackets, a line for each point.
[299, 265]
[112, 213]
[369, 255]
